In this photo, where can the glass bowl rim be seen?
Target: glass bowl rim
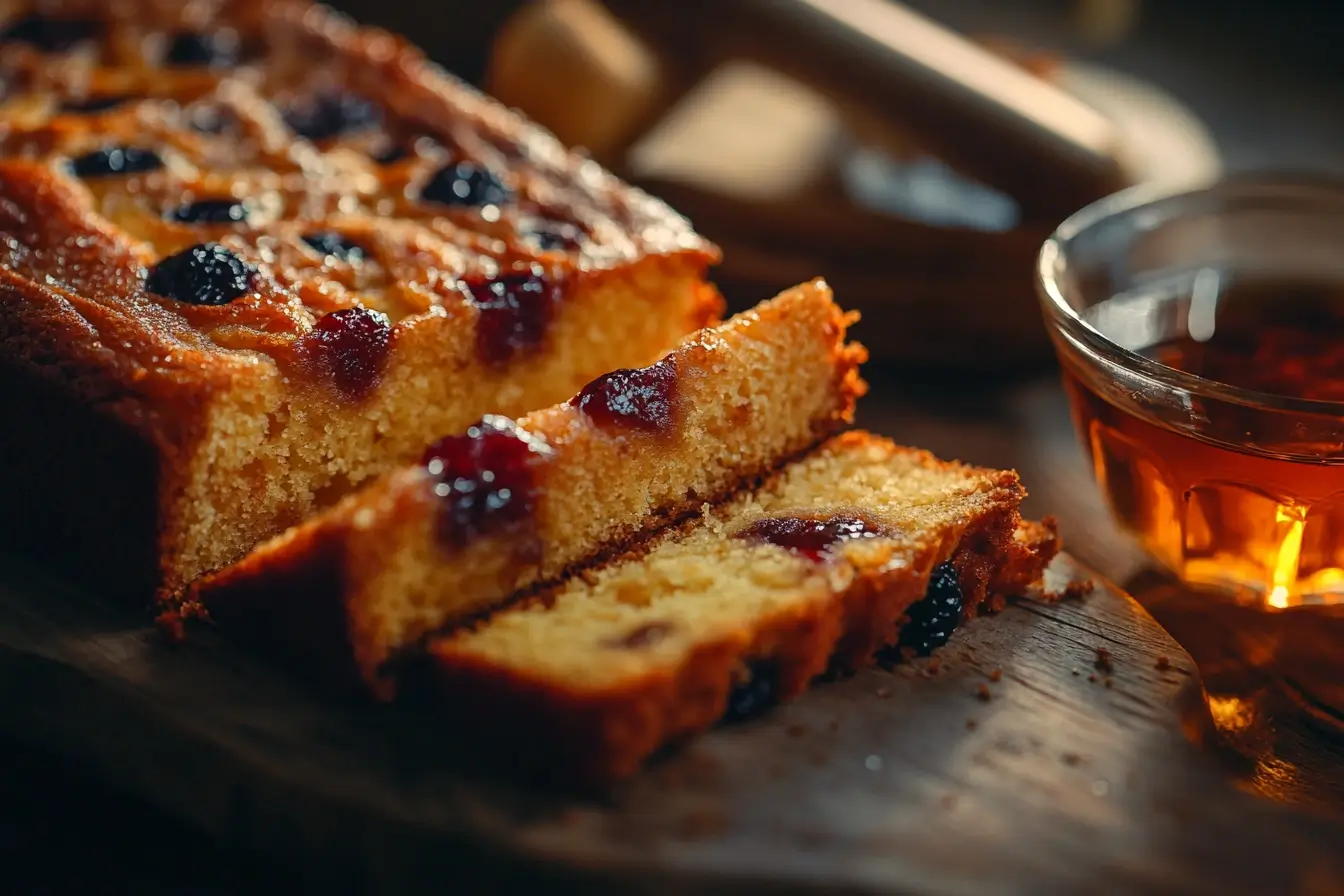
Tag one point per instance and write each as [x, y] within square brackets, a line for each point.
[1060, 314]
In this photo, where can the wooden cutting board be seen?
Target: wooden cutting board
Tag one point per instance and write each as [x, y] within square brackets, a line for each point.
[1013, 764]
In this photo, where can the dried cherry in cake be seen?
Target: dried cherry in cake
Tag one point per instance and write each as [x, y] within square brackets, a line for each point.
[351, 345]
[755, 693]
[94, 104]
[642, 398]
[515, 311]
[211, 49]
[114, 160]
[210, 211]
[49, 34]
[932, 619]
[550, 235]
[810, 537]
[206, 274]
[465, 184]
[328, 242]
[485, 479]
[331, 113]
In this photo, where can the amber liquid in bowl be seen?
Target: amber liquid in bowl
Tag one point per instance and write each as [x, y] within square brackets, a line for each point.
[1241, 520]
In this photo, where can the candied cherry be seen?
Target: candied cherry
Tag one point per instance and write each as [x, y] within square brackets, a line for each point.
[353, 345]
[207, 274]
[643, 398]
[754, 694]
[94, 104]
[811, 537]
[112, 160]
[515, 311]
[328, 242]
[210, 211]
[50, 35]
[330, 113]
[214, 48]
[484, 479]
[465, 184]
[932, 619]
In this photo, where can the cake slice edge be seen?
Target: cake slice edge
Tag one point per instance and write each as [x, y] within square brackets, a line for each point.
[597, 718]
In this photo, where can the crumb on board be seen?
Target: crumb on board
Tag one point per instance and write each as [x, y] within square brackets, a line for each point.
[972, 724]
[796, 729]
[1108, 681]
[995, 674]
[1072, 591]
[1104, 662]
[1163, 662]
[884, 692]
[1072, 758]
[934, 665]
[983, 692]
[1092, 677]
[171, 626]
[997, 603]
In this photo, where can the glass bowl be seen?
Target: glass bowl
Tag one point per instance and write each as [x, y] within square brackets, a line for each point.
[1201, 337]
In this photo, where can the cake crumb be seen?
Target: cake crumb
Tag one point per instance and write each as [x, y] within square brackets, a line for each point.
[972, 724]
[1108, 681]
[1072, 591]
[1092, 677]
[796, 730]
[170, 625]
[996, 675]
[1104, 663]
[997, 603]
[1163, 663]
[1075, 671]
[983, 693]
[934, 665]
[884, 692]
[1071, 758]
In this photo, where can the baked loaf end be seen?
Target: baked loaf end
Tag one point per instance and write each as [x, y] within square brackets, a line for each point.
[251, 262]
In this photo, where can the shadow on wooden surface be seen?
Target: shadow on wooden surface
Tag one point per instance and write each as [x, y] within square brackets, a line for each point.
[1017, 756]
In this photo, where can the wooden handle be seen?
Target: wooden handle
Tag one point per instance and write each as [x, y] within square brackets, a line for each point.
[979, 112]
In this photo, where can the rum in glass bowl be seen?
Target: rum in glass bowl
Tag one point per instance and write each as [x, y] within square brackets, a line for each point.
[1201, 337]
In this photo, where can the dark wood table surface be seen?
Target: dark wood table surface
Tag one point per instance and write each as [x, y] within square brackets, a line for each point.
[63, 829]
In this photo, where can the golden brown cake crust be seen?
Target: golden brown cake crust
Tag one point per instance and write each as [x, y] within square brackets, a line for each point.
[598, 734]
[77, 243]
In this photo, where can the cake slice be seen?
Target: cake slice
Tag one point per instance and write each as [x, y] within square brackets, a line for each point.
[510, 504]
[859, 547]
[252, 256]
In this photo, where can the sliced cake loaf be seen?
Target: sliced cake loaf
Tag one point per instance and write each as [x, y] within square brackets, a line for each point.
[511, 504]
[861, 546]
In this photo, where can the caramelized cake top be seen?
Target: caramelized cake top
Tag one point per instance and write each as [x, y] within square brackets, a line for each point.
[191, 190]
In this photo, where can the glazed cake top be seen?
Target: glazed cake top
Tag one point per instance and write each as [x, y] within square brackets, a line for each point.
[182, 180]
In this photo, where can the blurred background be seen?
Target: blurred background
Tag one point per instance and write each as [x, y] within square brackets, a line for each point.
[809, 151]
[872, 152]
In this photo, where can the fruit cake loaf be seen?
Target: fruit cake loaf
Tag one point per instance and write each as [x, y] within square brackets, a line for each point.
[252, 255]
[860, 548]
[508, 505]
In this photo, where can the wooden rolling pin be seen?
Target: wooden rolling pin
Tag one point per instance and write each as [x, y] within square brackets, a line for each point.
[605, 72]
